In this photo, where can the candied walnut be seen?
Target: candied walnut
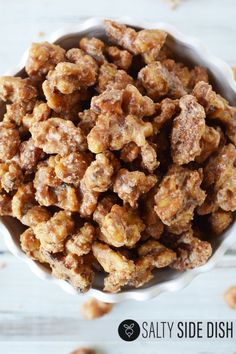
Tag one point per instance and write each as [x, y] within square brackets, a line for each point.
[94, 47]
[188, 129]
[110, 77]
[159, 82]
[168, 108]
[131, 185]
[11, 176]
[45, 183]
[76, 270]
[114, 132]
[103, 208]
[121, 35]
[17, 111]
[109, 101]
[154, 225]
[58, 136]
[35, 215]
[180, 70]
[217, 108]
[15, 89]
[160, 256]
[40, 113]
[88, 200]
[146, 42]
[136, 104]
[220, 221]
[69, 77]
[197, 74]
[209, 143]
[84, 351]
[178, 195]
[191, 252]
[143, 272]
[127, 101]
[80, 242]
[149, 43]
[5, 204]
[9, 140]
[87, 121]
[220, 172]
[62, 104]
[149, 157]
[42, 58]
[98, 176]
[120, 268]
[94, 308]
[31, 245]
[121, 58]
[53, 233]
[23, 200]
[122, 226]
[71, 168]
[230, 297]
[30, 155]
[129, 152]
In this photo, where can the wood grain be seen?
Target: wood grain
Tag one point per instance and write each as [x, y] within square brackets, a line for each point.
[27, 304]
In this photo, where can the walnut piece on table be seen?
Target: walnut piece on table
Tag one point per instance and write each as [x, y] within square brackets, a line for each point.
[84, 351]
[230, 297]
[93, 309]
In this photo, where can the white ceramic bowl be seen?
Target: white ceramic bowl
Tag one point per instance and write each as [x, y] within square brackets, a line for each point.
[189, 50]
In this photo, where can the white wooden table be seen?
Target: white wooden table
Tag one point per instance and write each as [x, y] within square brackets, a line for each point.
[29, 305]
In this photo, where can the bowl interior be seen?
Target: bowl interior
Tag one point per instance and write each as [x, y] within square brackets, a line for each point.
[189, 55]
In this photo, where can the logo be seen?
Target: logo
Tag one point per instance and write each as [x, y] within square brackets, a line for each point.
[129, 330]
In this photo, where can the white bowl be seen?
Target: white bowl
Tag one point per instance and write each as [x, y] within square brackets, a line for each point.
[190, 50]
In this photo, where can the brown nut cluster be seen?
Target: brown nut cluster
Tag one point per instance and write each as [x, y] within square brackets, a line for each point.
[117, 159]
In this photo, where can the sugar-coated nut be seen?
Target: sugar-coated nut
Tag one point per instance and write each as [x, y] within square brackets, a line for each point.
[121, 58]
[9, 140]
[58, 136]
[120, 268]
[23, 200]
[30, 155]
[178, 195]
[94, 308]
[80, 242]
[159, 82]
[191, 252]
[5, 204]
[17, 111]
[110, 77]
[131, 185]
[209, 143]
[42, 58]
[16, 89]
[188, 129]
[217, 108]
[84, 351]
[41, 112]
[230, 297]
[122, 226]
[31, 245]
[52, 233]
[11, 176]
[94, 47]
[115, 132]
[220, 220]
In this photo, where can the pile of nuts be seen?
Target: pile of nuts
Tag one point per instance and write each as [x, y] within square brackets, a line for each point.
[117, 158]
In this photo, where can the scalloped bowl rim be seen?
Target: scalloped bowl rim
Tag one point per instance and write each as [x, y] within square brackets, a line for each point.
[230, 235]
